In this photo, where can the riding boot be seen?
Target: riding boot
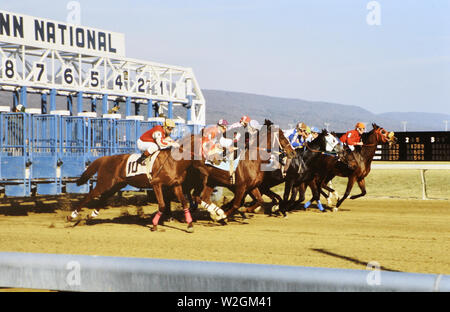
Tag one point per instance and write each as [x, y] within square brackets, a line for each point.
[143, 157]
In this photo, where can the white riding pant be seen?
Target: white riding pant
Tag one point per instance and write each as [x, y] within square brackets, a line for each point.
[150, 147]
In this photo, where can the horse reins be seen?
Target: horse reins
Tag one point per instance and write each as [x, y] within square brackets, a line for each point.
[311, 149]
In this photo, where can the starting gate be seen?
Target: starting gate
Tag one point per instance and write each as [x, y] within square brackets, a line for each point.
[44, 150]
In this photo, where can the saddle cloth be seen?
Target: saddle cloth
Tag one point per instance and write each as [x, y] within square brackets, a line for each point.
[225, 165]
[134, 169]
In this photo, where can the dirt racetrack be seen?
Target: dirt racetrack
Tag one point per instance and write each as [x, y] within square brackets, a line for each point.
[401, 235]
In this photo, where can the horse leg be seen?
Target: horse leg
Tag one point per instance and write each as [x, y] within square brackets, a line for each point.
[157, 188]
[238, 194]
[301, 189]
[215, 212]
[255, 193]
[362, 186]
[316, 196]
[97, 191]
[287, 190]
[292, 200]
[351, 181]
[177, 189]
[104, 197]
[276, 200]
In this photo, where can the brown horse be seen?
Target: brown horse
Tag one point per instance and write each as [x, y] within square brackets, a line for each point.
[167, 171]
[248, 175]
[357, 166]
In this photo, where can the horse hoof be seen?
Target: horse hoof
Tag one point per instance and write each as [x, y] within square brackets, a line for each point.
[154, 228]
[258, 209]
[190, 228]
[335, 209]
[275, 208]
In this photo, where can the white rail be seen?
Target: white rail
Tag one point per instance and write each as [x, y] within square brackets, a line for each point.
[94, 273]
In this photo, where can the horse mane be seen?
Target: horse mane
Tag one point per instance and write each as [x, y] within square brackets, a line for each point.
[317, 141]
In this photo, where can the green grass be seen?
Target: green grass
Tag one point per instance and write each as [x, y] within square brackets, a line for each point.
[389, 183]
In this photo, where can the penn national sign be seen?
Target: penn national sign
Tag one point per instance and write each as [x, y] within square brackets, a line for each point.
[48, 34]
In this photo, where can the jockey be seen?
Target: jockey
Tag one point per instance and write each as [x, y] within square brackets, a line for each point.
[243, 122]
[353, 137]
[242, 127]
[213, 139]
[155, 139]
[297, 139]
[314, 134]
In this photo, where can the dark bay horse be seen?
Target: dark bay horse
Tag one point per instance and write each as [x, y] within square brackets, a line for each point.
[302, 172]
[167, 171]
[248, 175]
[358, 163]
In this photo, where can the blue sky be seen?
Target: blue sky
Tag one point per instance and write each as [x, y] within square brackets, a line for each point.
[321, 50]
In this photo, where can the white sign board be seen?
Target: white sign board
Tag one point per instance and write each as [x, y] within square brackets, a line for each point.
[48, 34]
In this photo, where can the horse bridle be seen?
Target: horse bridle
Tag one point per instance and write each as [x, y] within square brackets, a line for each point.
[380, 135]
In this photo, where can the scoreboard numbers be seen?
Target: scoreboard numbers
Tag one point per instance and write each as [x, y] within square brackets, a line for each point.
[418, 146]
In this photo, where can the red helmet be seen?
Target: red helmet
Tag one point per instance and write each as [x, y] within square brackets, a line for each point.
[222, 122]
[245, 119]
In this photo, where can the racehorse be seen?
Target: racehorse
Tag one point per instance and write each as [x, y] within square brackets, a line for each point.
[358, 163]
[167, 171]
[248, 174]
[302, 167]
[275, 177]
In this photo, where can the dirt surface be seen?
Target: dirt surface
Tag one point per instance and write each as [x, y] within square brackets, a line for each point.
[401, 235]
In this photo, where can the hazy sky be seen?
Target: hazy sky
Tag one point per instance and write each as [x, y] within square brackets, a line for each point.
[323, 50]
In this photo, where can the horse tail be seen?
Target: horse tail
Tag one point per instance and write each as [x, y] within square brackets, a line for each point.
[89, 172]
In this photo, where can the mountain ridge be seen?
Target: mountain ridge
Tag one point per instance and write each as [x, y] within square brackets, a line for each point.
[286, 112]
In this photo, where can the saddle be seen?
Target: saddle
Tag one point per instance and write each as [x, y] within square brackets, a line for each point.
[133, 168]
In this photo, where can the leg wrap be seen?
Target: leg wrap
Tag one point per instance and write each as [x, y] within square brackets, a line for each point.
[319, 204]
[187, 216]
[156, 218]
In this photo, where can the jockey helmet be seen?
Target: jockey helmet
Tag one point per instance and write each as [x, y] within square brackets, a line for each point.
[314, 130]
[169, 123]
[222, 122]
[360, 125]
[301, 126]
[20, 108]
[245, 119]
[308, 130]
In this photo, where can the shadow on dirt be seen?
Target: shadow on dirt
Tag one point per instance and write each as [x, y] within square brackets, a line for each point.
[329, 253]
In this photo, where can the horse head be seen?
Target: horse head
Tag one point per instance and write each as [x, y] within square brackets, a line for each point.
[327, 142]
[382, 135]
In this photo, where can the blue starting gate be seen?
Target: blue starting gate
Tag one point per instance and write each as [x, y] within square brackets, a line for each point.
[45, 154]
[73, 142]
[45, 174]
[15, 154]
